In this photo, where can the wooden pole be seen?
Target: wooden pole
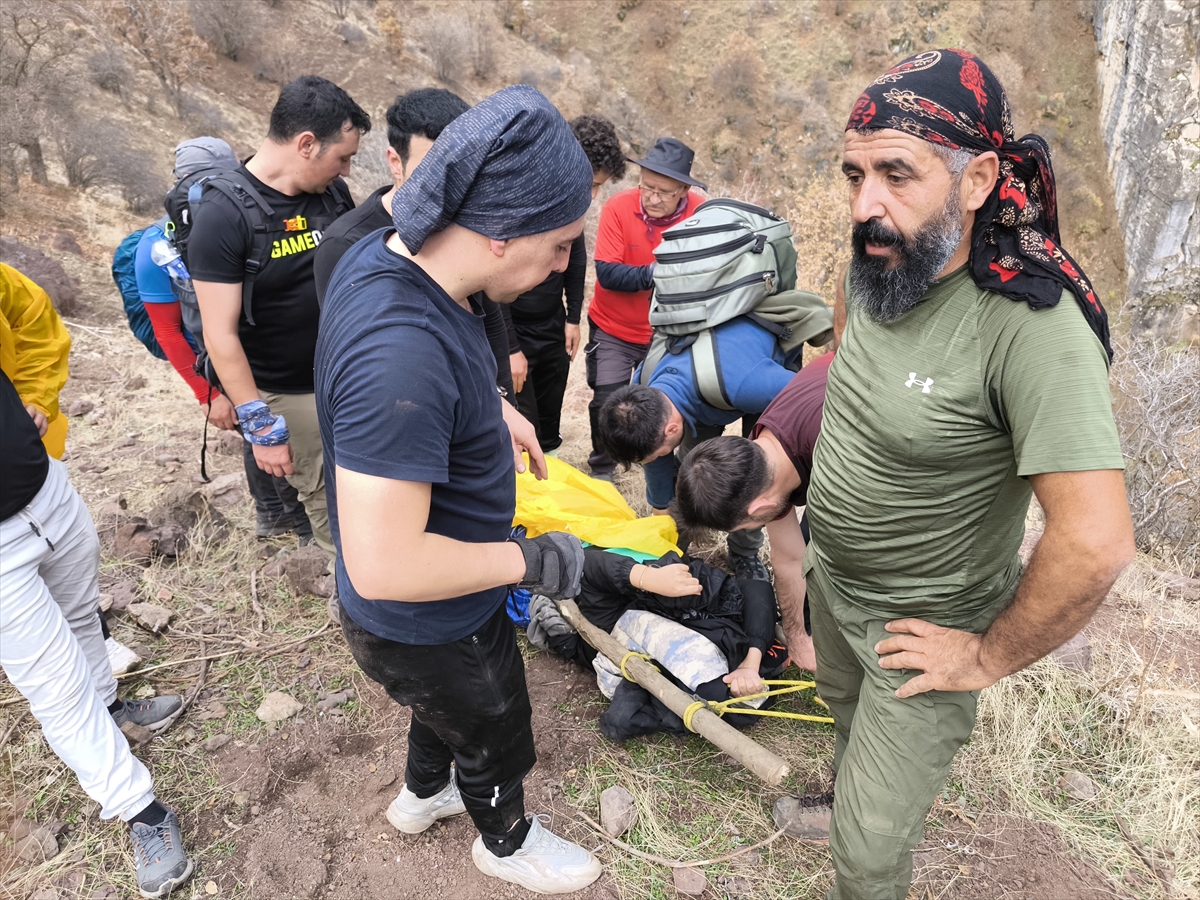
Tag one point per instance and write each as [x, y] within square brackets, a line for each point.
[768, 766]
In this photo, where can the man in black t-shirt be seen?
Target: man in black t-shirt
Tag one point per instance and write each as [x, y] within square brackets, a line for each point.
[263, 351]
[414, 122]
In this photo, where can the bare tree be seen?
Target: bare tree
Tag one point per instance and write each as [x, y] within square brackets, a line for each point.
[228, 26]
[161, 34]
[481, 35]
[1157, 393]
[34, 56]
[447, 40]
[85, 149]
[340, 7]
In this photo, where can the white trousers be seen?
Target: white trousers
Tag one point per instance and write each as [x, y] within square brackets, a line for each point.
[51, 647]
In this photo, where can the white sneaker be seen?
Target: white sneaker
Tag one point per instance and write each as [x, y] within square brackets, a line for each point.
[545, 864]
[412, 815]
[120, 658]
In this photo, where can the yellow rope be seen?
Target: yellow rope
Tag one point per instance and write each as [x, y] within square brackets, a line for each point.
[626, 658]
[721, 707]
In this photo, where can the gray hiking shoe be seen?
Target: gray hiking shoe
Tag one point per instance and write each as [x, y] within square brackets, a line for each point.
[748, 568]
[161, 863]
[154, 713]
[806, 817]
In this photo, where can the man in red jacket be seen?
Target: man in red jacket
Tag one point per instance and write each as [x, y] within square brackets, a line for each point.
[631, 226]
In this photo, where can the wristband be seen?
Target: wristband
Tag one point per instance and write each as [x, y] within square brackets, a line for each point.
[277, 436]
[254, 416]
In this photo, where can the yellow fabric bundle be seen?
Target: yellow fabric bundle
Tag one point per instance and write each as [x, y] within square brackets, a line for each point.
[594, 511]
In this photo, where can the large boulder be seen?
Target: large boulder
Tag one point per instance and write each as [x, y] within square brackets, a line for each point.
[48, 274]
[1150, 90]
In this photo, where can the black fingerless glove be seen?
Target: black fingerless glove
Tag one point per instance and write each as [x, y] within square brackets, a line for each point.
[553, 564]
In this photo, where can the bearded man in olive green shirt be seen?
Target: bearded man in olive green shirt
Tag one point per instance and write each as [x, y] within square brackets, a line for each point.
[971, 375]
[972, 372]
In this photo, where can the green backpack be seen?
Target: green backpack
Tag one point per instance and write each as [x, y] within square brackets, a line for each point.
[729, 259]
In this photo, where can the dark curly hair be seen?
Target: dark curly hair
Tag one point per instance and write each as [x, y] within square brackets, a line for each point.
[599, 141]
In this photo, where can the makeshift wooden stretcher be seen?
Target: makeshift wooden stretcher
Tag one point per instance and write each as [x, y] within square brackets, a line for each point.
[764, 763]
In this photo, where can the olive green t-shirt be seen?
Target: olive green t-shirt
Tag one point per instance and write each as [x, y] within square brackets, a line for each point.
[932, 424]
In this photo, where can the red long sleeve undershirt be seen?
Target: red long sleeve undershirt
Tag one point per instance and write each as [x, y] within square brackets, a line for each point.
[168, 330]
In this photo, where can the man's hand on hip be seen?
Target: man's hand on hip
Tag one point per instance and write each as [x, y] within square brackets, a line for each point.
[948, 658]
[40, 422]
[277, 460]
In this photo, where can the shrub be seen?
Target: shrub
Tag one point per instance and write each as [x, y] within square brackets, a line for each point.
[280, 61]
[1157, 403]
[340, 7]
[84, 149]
[204, 117]
[108, 70]
[134, 174]
[740, 75]
[228, 26]
[351, 34]
[447, 41]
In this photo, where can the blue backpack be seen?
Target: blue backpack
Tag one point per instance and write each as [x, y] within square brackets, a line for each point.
[126, 278]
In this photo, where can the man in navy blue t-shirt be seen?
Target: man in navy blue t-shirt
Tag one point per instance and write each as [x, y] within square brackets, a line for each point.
[420, 453]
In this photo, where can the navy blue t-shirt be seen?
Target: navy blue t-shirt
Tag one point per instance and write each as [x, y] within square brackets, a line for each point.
[406, 389]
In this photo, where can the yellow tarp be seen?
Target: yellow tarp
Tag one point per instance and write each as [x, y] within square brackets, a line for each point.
[592, 510]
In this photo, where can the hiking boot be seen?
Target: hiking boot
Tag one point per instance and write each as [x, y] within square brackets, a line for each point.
[162, 865]
[120, 658]
[154, 713]
[749, 568]
[806, 817]
[545, 864]
[412, 815]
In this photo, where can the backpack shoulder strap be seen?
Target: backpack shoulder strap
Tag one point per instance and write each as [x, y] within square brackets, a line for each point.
[655, 355]
[706, 364]
[256, 212]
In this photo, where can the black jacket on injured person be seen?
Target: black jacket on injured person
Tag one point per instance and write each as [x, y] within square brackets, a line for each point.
[734, 614]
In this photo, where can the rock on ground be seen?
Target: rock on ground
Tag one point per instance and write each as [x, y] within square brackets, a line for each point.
[215, 743]
[617, 811]
[277, 706]
[46, 272]
[151, 615]
[305, 570]
[38, 847]
[1078, 786]
[1075, 655]
[689, 882]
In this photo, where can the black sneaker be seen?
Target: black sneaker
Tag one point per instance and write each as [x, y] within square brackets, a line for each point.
[154, 713]
[162, 865]
[749, 568]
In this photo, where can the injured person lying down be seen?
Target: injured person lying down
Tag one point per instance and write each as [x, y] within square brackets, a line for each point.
[710, 633]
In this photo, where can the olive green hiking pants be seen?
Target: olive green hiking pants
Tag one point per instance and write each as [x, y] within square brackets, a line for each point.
[891, 756]
[308, 461]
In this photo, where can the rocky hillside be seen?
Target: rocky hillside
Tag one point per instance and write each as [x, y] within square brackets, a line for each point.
[97, 92]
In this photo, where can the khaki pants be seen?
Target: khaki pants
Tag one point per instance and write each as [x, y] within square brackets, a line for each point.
[300, 411]
[891, 756]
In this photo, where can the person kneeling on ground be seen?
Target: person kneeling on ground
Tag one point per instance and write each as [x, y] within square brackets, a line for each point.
[421, 450]
[52, 650]
[732, 621]
[734, 484]
[659, 423]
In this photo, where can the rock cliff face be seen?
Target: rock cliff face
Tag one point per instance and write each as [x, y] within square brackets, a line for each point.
[1149, 74]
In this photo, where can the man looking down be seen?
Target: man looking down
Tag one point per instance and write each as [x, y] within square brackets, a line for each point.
[263, 350]
[659, 423]
[420, 456]
[972, 374]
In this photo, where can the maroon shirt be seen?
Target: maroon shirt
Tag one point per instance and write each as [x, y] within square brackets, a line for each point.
[794, 417]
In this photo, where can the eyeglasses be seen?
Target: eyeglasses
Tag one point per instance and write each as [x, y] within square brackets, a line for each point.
[662, 195]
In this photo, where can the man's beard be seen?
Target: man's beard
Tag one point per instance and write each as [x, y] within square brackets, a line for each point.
[766, 518]
[886, 287]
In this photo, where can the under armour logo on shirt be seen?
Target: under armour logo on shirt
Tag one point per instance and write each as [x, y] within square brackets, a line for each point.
[913, 381]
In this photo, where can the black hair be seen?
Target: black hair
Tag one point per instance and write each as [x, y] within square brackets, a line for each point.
[312, 103]
[632, 421]
[425, 112]
[718, 481]
[599, 141]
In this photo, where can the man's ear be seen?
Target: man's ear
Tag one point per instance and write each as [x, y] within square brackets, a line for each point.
[396, 166]
[497, 247]
[760, 504]
[307, 145]
[978, 179]
[672, 429]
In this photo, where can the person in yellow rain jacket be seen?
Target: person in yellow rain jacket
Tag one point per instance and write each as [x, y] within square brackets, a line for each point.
[34, 345]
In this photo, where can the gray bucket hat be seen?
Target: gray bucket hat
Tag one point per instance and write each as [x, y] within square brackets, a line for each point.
[202, 153]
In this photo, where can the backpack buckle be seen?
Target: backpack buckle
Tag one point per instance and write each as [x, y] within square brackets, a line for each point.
[760, 243]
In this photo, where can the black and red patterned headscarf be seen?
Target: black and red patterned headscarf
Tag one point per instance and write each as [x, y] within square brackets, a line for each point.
[950, 98]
